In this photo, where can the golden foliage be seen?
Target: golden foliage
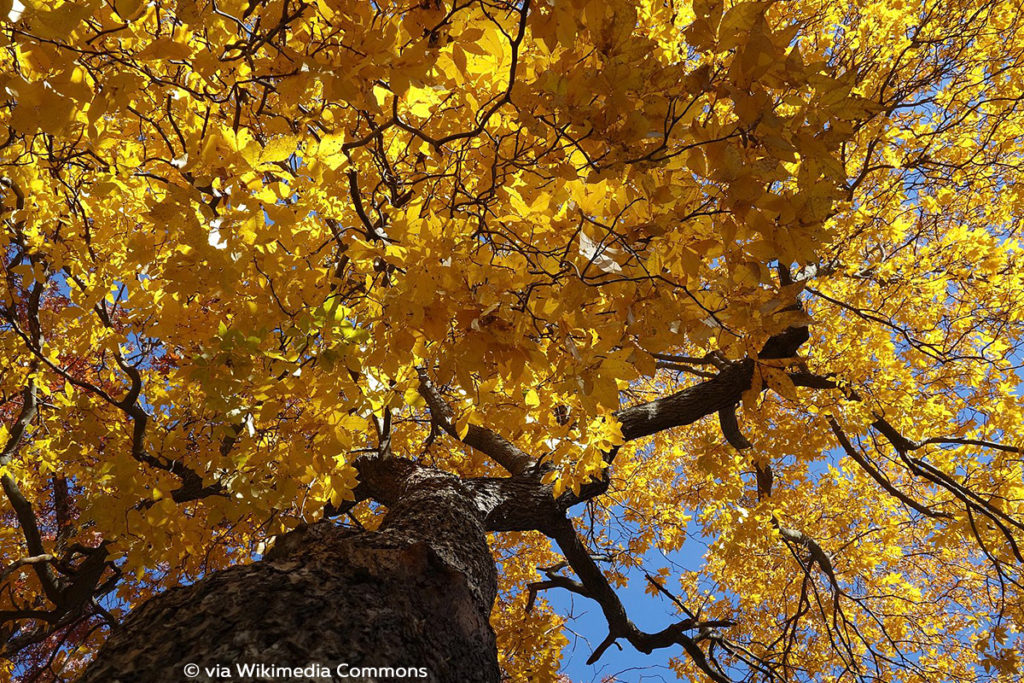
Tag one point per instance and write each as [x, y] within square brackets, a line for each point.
[233, 232]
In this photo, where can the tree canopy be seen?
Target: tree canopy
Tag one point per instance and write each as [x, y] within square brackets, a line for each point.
[740, 273]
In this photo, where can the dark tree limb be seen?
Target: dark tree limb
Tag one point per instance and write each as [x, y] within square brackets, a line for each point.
[689, 405]
[554, 582]
[596, 585]
[731, 428]
[488, 442]
[22, 506]
[18, 564]
[877, 475]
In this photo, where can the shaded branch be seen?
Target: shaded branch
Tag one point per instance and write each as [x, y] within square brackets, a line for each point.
[723, 391]
[598, 589]
[689, 405]
[17, 564]
[877, 475]
[488, 442]
[731, 428]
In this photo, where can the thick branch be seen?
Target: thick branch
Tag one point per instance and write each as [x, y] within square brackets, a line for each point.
[731, 428]
[18, 564]
[719, 393]
[22, 507]
[33, 539]
[488, 442]
[689, 405]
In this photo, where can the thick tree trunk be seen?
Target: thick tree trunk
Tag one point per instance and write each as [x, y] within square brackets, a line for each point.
[415, 594]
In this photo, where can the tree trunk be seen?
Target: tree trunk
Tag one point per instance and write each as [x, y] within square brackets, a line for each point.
[415, 594]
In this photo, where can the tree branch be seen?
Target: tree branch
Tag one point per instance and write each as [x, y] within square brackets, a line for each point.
[488, 442]
[689, 405]
[875, 474]
[598, 589]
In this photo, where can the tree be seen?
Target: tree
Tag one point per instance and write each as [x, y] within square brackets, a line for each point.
[335, 329]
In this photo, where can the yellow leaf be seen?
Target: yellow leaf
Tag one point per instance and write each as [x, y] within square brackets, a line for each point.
[462, 425]
[413, 398]
[278, 149]
[779, 382]
[738, 20]
[750, 396]
[56, 24]
[128, 9]
[330, 150]
[166, 48]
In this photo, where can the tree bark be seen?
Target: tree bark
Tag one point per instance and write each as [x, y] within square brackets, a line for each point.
[417, 593]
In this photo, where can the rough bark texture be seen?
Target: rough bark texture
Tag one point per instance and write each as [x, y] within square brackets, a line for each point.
[417, 593]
